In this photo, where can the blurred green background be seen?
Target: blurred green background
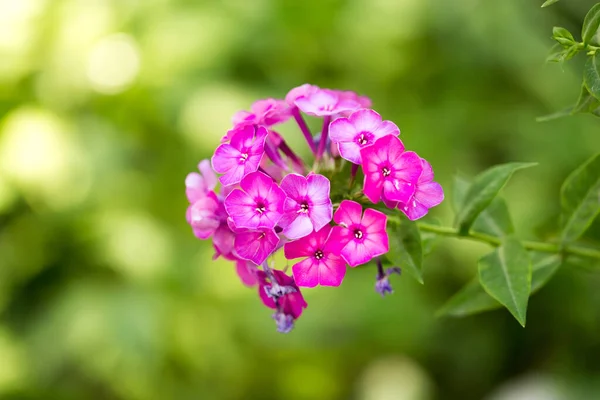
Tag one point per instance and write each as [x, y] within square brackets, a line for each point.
[106, 105]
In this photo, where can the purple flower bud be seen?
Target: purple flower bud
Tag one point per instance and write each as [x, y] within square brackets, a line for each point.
[285, 322]
[382, 285]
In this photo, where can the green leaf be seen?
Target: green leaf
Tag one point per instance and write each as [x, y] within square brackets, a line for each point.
[405, 247]
[580, 199]
[483, 190]
[549, 3]
[429, 239]
[505, 275]
[473, 299]
[591, 75]
[591, 24]
[556, 115]
[586, 103]
[563, 36]
[494, 220]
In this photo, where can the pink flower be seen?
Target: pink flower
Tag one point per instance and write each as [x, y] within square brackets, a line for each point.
[307, 206]
[241, 155]
[197, 185]
[390, 172]
[364, 101]
[325, 102]
[264, 112]
[427, 194]
[205, 215]
[361, 129]
[247, 272]
[362, 236]
[255, 245]
[300, 91]
[289, 306]
[223, 242]
[259, 204]
[323, 265]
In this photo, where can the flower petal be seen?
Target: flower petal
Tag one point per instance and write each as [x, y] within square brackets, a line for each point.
[430, 194]
[348, 213]
[342, 130]
[306, 273]
[356, 253]
[295, 186]
[365, 120]
[299, 227]
[318, 189]
[332, 270]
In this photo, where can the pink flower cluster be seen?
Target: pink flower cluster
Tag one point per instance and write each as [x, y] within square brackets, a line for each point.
[269, 199]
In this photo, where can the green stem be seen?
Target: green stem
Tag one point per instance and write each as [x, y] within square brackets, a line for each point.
[495, 241]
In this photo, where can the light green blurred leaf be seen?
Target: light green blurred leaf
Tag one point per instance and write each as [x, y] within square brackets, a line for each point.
[405, 247]
[549, 3]
[563, 36]
[473, 299]
[580, 199]
[591, 75]
[505, 274]
[482, 192]
[494, 220]
[591, 24]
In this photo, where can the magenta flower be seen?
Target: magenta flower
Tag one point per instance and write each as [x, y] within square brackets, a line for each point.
[300, 91]
[247, 272]
[264, 112]
[258, 204]
[427, 194]
[289, 306]
[323, 265]
[325, 102]
[362, 236]
[255, 245]
[205, 215]
[307, 206]
[223, 242]
[390, 172]
[241, 155]
[361, 129]
[198, 185]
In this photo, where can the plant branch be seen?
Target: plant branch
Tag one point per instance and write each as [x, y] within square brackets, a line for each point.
[495, 241]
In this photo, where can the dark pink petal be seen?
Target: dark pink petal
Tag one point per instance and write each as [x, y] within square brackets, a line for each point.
[256, 246]
[332, 270]
[356, 253]
[374, 221]
[408, 167]
[398, 190]
[306, 246]
[257, 184]
[293, 304]
[247, 272]
[348, 213]
[337, 239]
[306, 272]
[373, 187]
[377, 243]
[242, 118]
